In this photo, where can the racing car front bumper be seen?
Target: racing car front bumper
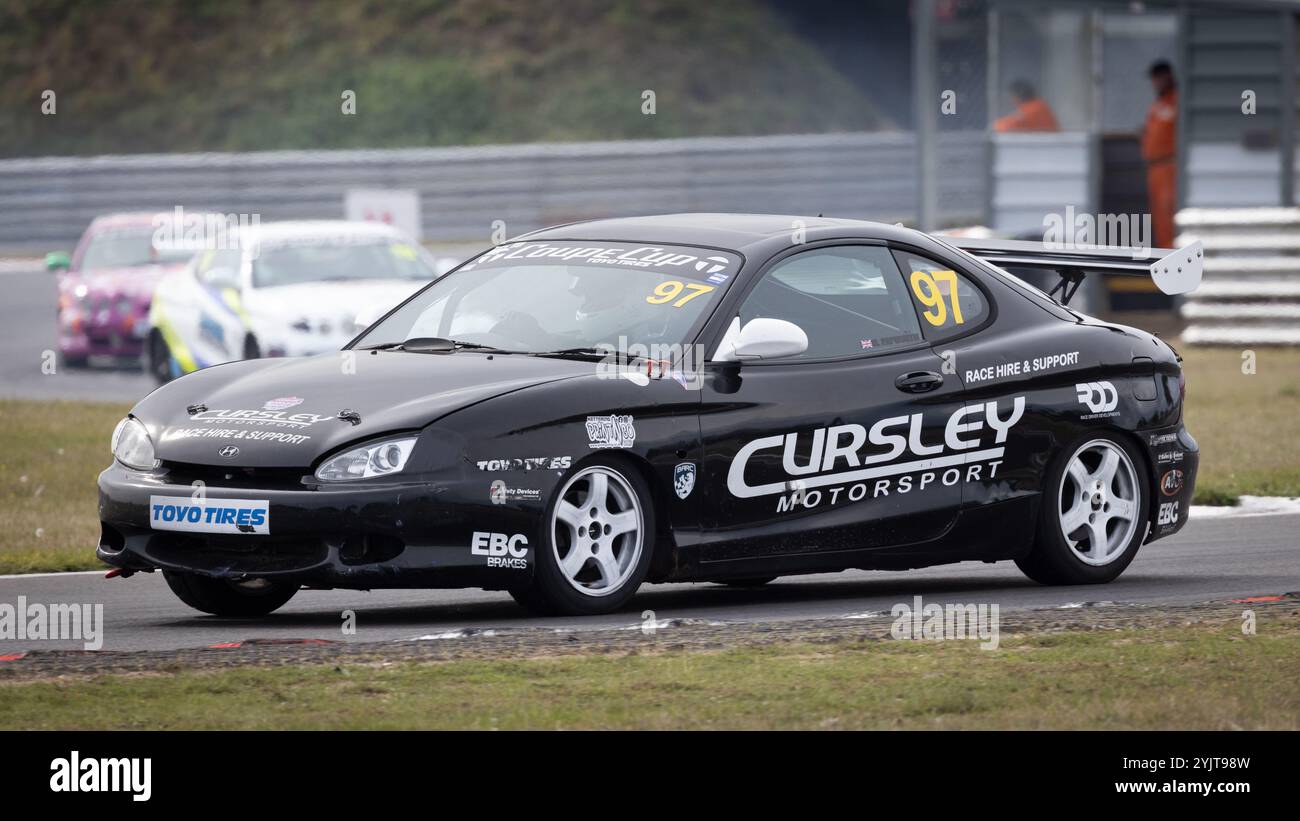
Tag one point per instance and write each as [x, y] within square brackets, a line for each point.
[358, 536]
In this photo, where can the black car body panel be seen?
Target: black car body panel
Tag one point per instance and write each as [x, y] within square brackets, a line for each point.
[498, 432]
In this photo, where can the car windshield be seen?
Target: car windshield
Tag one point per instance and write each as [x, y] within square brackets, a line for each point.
[120, 249]
[539, 297]
[321, 260]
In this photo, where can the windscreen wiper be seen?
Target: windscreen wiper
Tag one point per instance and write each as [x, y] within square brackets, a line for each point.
[576, 353]
[431, 344]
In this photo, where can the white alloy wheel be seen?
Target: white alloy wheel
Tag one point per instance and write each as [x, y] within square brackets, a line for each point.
[597, 531]
[1099, 502]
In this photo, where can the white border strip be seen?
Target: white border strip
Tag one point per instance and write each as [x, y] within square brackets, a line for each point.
[1249, 506]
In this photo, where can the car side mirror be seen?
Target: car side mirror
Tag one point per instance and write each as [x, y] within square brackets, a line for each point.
[762, 338]
[58, 261]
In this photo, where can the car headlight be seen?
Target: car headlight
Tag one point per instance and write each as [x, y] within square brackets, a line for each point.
[132, 445]
[375, 459]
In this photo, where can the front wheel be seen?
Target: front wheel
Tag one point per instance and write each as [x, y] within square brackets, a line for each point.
[225, 597]
[158, 359]
[1093, 516]
[596, 549]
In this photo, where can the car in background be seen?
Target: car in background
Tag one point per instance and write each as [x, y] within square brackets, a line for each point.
[106, 286]
[291, 288]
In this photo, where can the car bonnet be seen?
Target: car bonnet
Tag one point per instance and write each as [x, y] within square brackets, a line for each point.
[290, 412]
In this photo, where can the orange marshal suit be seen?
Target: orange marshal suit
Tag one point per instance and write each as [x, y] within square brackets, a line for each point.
[1159, 144]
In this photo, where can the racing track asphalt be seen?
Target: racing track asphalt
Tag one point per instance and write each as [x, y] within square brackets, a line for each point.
[27, 328]
[1210, 560]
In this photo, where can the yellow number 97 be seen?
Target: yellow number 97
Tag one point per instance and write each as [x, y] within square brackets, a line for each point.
[666, 292]
[926, 287]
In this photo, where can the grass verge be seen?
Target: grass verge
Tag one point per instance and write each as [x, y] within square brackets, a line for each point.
[1200, 676]
[1246, 423]
[50, 454]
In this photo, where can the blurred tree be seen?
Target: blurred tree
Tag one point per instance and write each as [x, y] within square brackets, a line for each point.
[191, 75]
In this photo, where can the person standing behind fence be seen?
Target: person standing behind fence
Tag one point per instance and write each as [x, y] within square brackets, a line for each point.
[1159, 149]
[1032, 112]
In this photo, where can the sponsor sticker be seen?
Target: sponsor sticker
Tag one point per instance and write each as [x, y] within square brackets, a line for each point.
[1101, 399]
[1168, 514]
[849, 463]
[525, 464]
[1171, 483]
[665, 259]
[263, 418]
[501, 549]
[684, 479]
[283, 403]
[237, 516]
[1022, 367]
[243, 435]
[612, 431]
[500, 493]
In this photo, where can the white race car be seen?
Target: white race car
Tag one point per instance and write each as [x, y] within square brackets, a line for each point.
[282, 289]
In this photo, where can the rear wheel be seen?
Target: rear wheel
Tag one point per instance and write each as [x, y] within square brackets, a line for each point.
[225, 597]
[597, 545]
[1093, 516]
[76, 361]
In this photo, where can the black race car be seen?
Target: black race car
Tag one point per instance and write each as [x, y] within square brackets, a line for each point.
[724, 398]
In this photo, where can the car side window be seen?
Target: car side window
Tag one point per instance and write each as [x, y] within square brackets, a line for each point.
[848, 299]
[219, 269]
[947, 302]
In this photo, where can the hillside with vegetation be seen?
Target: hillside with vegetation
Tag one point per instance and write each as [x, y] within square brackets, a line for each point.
[227, 75]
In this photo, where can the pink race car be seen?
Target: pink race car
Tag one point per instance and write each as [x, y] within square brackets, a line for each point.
[106, 286]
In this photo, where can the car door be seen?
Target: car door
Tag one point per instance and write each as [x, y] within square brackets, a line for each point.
[1023, 362]
[214, 329]
[842, 447]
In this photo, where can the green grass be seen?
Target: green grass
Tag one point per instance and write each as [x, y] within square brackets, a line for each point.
[51, 452]
[231, 75]
[1248, 425]
[1202, 677]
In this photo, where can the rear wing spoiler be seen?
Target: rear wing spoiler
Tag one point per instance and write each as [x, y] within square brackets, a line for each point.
[1174, 271]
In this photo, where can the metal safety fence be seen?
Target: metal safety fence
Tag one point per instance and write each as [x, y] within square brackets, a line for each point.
[1250, 294]
[464, 191]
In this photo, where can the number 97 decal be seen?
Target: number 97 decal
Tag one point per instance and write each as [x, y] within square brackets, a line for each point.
[668, 291]
[925, 285]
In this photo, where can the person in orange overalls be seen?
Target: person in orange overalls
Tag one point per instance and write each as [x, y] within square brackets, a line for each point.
[1032, 112]
[1159, 147]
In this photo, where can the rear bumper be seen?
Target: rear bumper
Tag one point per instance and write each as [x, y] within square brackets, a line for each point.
[361, 537]
[1174, 457]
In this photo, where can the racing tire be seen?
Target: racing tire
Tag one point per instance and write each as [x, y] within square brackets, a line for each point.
[251, 349]
[227, 598]
[603, 510]
[757, 581]
[1093, 516]
[158, 359]
[76, 362]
